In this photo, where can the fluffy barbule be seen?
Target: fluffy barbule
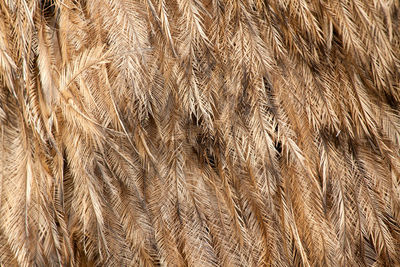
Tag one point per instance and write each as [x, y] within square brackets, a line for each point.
[199, 133]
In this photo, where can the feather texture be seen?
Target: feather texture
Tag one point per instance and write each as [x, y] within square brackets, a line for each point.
[199, 133]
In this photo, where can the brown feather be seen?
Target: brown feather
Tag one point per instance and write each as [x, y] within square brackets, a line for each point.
[199, 133]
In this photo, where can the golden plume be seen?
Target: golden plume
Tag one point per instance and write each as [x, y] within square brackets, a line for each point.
[199, 133]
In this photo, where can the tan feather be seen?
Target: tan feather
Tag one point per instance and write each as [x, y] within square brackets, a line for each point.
[199, 133]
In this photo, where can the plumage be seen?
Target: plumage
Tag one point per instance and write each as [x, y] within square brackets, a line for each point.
[199, 133]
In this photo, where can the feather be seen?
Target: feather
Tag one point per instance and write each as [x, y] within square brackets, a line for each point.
[199, 133]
